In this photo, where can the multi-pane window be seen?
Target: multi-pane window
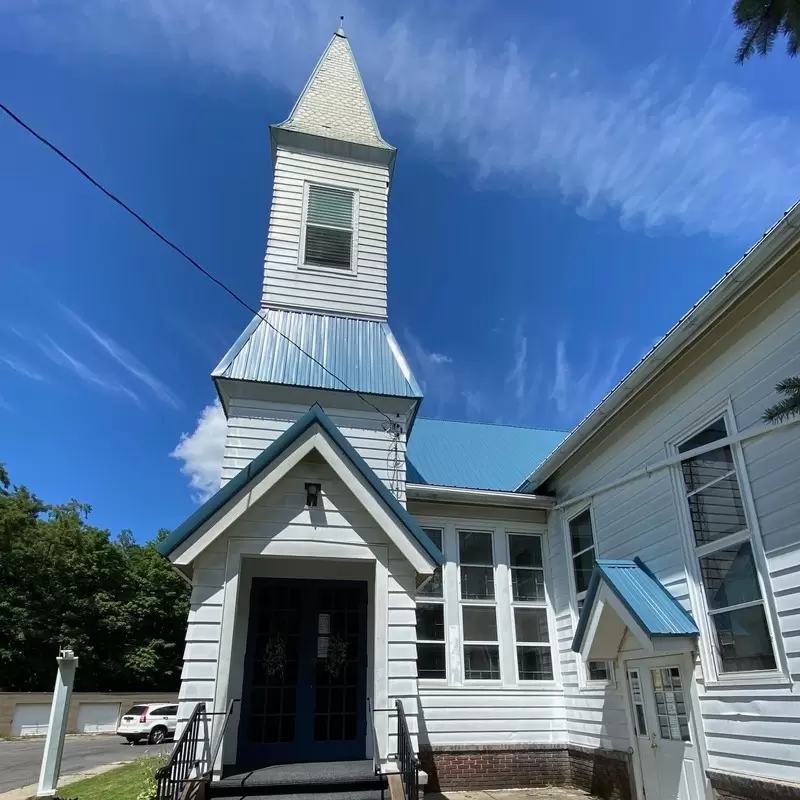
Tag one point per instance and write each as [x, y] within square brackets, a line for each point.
[431, 655]
[329, 228]
[531, 633]
[724, 549]
[479, 614]
[637, 699]
[582, 549]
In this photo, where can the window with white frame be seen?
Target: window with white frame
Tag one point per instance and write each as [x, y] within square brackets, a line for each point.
[529, 608]
[478, 606]
[431, 650]
[329, 228]
[582, 550]
[723, 546]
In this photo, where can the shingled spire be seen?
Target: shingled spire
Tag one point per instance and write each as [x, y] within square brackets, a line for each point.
[334, 104]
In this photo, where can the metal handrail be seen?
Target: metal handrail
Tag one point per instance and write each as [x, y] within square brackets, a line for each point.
[183, 760]
[216, 746]
[407, 758]
[376, 756]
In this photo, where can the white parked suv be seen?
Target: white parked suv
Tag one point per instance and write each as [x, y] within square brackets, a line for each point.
[152, 721]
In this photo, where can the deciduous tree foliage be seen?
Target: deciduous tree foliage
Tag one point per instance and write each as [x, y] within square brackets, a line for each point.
[64, 582]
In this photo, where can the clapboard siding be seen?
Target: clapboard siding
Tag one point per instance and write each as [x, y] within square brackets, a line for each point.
[286, 283]
[747, 728]
[280, 515]
[253, 425]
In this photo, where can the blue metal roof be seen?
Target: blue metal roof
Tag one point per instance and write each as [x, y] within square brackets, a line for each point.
[363, 353]
[651, 605]
[475, 455]
[315, 415]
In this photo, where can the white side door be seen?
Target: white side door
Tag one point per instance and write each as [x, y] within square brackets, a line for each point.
[658, 690]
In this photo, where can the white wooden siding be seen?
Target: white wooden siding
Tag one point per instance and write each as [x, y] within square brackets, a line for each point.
[505, 712]
[361, 293]
[340, 520]
[253, 426]
[746, 727]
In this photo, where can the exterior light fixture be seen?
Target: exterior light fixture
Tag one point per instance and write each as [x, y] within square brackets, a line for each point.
[312, 494]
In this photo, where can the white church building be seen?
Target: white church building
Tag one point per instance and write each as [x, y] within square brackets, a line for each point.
[616, 609]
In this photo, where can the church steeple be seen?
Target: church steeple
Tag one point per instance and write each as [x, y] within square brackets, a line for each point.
[326, 248]
[334, 104]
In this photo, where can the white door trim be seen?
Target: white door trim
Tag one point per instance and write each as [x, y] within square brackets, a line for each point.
[686, 659]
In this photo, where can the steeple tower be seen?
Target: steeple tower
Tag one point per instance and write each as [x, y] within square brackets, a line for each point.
[326, 249]
[322, 334]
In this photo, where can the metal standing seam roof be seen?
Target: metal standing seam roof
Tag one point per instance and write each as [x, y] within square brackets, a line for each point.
[645, 597]
[474, 455]
[362, 353]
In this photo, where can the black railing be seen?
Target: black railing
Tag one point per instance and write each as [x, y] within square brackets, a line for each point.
[406, 757]
[194, 754]
[186, 756]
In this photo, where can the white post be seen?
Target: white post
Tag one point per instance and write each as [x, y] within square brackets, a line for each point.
[54, 745]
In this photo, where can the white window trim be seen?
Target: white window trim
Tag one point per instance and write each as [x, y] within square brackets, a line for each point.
[713, 676]
[530, 604]
[584, 681]
[452, 590]
[433, 600]
[301, 264]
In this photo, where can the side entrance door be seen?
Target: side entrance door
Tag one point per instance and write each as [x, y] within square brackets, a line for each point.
[658, 690]
[304, 691]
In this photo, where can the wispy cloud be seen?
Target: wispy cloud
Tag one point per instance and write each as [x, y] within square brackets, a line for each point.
[60, 356]
[524, 379]
[647, 145]
[21, 368]
[125, 359]
[436, 375]
[202, 450]
[578, 388]
[5, 405]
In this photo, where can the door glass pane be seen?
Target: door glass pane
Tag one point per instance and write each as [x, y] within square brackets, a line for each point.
[729, 576]
[430, 621]
[525, 551]
[717, 511]
[583, 565]
[673, 720]
[531, 624]
[480, 624]
[743, 639]
[580, 531]
[475, 548]
[534, 663]
[431, 662]
[637, 698]
[481, 662]
[477, 583]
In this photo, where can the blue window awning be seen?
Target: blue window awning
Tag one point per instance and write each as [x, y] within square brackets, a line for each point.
[626, 596]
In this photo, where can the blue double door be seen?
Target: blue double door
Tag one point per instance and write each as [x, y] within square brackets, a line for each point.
[304, 691]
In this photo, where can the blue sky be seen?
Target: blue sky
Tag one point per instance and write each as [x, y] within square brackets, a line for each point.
[571, 178]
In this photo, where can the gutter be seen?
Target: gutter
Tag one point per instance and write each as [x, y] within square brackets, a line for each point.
[482, 497]
[756, 263]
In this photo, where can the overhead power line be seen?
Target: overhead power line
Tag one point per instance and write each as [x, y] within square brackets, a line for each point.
[181, 252]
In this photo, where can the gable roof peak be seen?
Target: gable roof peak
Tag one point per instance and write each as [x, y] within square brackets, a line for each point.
[334, 103]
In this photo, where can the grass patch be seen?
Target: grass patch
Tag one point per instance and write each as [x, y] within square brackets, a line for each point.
[124, 783]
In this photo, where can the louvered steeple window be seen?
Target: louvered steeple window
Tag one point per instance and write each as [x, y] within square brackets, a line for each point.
[329, 228]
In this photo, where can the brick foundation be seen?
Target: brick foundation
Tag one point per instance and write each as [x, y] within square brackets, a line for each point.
[740, 787]
[604, 773]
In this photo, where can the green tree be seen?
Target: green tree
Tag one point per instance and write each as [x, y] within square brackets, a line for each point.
[789, 405]
[65, 582]
[762, 22]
